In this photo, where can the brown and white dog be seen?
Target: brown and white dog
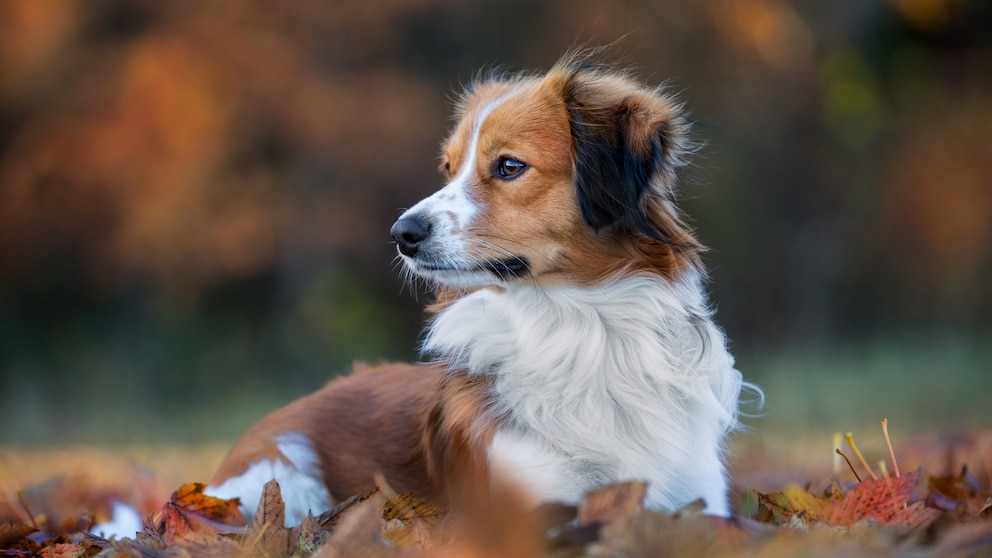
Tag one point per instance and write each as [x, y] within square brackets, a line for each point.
[572, 342]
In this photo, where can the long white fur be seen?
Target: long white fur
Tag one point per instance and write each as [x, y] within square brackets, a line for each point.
[298, 475]
[124, 522]
[628, 380]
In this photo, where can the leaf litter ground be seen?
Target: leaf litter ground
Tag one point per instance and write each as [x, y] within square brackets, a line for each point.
[941, 508]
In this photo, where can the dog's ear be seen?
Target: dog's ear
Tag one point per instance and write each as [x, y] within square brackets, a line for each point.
[628, 144]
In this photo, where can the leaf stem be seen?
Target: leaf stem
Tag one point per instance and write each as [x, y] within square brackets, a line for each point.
[840, 453]
[24, 504]
[888, 442]
[837, 441]
[850, 442]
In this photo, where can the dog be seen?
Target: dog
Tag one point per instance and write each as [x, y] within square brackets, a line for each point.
[571, 341]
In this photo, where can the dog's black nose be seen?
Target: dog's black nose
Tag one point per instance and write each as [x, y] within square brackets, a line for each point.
[409, 232]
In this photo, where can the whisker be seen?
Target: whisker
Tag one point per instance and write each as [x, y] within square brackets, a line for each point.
[497, 234]
[497, 266]
[480, 239]
[495, 248]
[492, 246]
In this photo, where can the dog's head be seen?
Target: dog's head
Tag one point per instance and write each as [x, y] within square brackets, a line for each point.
[562, 178]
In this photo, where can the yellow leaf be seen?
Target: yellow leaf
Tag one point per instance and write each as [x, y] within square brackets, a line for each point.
[789, 506]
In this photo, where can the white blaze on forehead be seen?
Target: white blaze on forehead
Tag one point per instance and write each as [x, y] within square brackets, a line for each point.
[453, 200]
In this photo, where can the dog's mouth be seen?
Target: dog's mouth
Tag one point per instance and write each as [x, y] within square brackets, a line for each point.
[513, 267]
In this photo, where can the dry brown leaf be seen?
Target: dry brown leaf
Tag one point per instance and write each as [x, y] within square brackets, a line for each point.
[405, 507]
[359, 533]
[271, 508]
[616, 502]
[329, 519]
[174, 522]
[913, 516]
[961, 493]
[965, 539]
[12, 533]
[407, 521]
[610, 508]
[190, 511]
[401, 534]
[609, 521]
[424, 538]
[190, 497]
[62, 503]
[141, 546]
[651, 533]
[791, 506]
[986, 510]
[206, 544]
[268, 534]
[64, 550]
[310, 534]
[149, 533]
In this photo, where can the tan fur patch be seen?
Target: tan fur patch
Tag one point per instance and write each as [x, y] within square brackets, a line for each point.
[536, 215]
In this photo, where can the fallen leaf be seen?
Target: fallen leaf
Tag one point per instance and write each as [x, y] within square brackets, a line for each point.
[268, 535]
[961, 493]
[885, 500]
[406, 521]
[986, 510]
[142, 545]
[190, 497]
[610, 508]
[149, 533]
[359, 533]
[330, 518]
[793, 506]
[63, 550]
[405, 534]
[173, 522]
[203, 543]
[311, 534]
[13, 533]
[647, 532]
[965, 539]
[190, 510]
[616, 502]
[405, 507]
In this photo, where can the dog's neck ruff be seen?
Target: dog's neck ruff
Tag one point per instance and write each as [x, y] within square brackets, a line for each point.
[631, 377]
[643, 334]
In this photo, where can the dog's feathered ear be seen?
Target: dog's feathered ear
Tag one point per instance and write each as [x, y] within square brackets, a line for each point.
[628, 143]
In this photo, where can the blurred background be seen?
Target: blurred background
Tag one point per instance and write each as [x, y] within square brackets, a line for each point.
[195, 197]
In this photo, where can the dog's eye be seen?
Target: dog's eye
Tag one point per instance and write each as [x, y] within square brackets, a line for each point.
[508, 169]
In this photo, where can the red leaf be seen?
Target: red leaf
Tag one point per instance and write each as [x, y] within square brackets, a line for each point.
[885, 500]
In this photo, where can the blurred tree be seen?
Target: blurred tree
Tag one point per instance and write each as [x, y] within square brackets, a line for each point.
[198, 195]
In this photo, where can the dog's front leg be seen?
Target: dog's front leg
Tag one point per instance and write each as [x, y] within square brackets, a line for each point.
[522, 460]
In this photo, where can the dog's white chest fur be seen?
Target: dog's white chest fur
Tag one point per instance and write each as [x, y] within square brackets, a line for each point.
[629, 380]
